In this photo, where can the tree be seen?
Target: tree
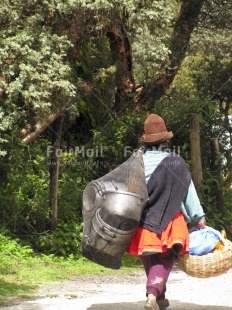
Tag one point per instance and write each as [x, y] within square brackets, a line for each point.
[185, 22]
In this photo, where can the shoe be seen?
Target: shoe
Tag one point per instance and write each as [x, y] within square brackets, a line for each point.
[151, 305]
[163, 303]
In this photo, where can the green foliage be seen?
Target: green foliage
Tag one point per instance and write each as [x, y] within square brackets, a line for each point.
[25, 206]
[70, 191]
[228, 199]
[149, 23]
[36, 70]
[65, 241]
[36, 76]
[100, 72]
[203, 87]
[119, 138]
[10, 253]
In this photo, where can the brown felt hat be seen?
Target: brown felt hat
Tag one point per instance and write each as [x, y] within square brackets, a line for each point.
[155, 130]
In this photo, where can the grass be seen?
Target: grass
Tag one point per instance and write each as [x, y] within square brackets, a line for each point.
[7, 288]
[22, 271]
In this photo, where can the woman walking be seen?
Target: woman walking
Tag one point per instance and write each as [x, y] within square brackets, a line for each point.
[163, 234]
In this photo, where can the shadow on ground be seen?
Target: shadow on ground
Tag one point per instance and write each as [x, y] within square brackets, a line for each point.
[174, 305]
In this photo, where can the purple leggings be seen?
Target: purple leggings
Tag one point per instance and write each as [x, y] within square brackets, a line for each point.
[158, 267]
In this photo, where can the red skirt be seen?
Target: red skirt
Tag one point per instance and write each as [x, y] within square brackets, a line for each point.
[145, 241]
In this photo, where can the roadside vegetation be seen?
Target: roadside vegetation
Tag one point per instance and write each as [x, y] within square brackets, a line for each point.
[22, 270]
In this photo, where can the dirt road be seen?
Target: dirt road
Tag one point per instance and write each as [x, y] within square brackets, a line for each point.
[127, 292]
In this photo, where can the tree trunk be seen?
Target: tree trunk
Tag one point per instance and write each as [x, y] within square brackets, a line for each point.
[185, 22]
[216, 169]
[122, 54]
[197, 174]
[54, 169]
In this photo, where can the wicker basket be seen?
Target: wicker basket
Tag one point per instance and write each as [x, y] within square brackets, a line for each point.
[209, 265]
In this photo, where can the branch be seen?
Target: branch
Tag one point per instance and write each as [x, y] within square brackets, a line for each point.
[41, 126]
[185, 22]
[84, 90]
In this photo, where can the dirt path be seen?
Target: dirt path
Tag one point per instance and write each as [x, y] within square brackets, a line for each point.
[127, 292]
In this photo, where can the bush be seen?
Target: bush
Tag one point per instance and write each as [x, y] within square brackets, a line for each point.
[11, 251]
[65, 241]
